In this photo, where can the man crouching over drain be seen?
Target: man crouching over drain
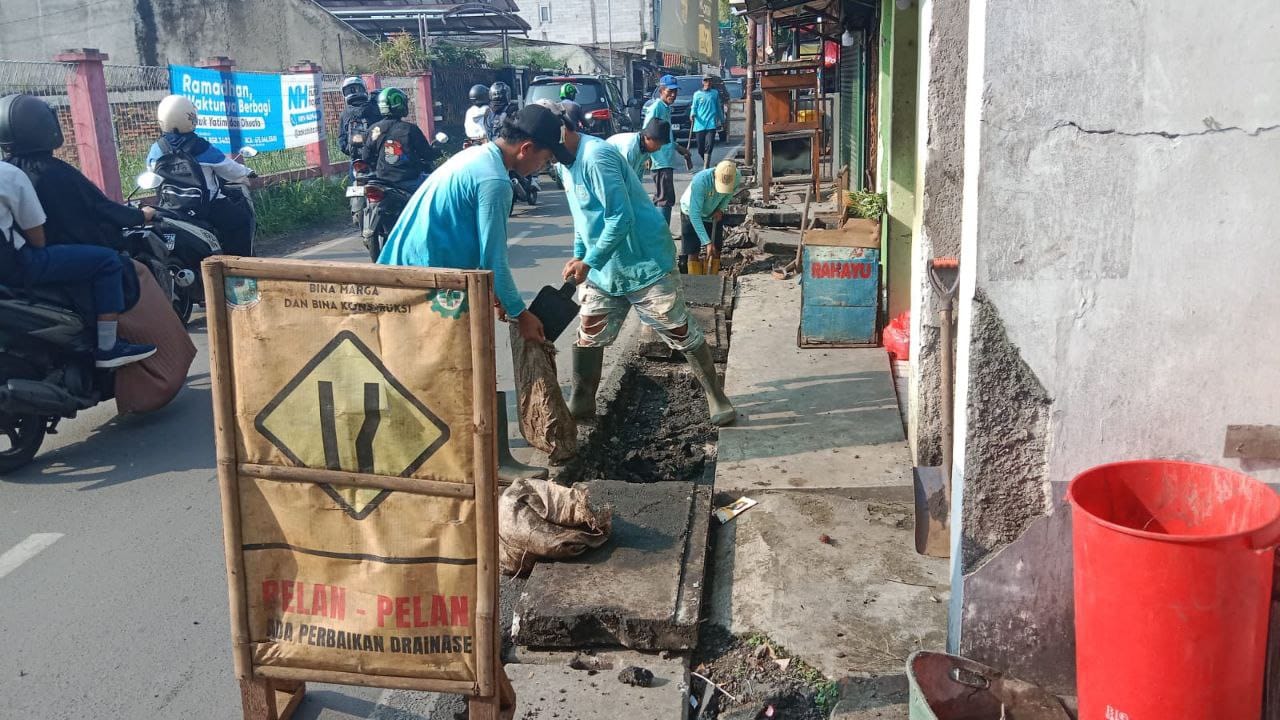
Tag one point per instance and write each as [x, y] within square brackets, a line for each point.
[624, 259]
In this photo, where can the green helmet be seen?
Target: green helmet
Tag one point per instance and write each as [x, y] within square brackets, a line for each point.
[568, 91]
[393, 103]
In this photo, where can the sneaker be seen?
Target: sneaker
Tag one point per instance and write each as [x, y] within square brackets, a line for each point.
[122, 354]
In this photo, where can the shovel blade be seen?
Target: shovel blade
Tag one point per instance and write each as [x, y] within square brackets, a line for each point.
[933, 512]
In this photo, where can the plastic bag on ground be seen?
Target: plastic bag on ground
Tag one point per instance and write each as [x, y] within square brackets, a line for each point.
[897, 337]
[539, 520]
[545, 420]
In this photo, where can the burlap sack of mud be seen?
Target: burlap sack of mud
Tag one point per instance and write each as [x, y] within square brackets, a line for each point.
[545, 420]
[152, 383]
[366, 379]
[539, 520]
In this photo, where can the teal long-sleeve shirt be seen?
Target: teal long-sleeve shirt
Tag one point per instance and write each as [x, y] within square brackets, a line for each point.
[628, 145]
[663, 157]
[705, 110]
[700, 201]
[458, 219]
[617, 230]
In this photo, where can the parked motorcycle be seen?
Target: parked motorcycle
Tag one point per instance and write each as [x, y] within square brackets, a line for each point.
[190, 241]
[383, 204]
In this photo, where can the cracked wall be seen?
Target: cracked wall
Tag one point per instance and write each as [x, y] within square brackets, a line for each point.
[1119, 229]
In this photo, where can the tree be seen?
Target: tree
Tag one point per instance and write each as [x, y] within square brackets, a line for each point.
[738, 25]
[536, 58]
[401, 54]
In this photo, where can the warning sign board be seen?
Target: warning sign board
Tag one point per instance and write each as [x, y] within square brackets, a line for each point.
[354, 408]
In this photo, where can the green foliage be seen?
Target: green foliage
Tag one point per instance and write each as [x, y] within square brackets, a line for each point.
[293, 206]
[738, 24]
[827, 695]
[401, 54]
[446, 54]
[536, 58]
[866, 204]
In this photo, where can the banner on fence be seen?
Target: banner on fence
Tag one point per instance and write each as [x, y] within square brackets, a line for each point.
[261, 110]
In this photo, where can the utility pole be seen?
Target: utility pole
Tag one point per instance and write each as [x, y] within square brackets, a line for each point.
[608, 11]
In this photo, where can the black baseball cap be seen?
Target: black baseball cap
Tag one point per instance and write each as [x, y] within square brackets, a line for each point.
[546, 127]
[657, 129]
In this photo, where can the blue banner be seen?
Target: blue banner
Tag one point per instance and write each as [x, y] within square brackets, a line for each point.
[260, 110]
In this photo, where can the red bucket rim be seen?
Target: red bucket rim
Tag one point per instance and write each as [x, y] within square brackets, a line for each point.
[1164, 537]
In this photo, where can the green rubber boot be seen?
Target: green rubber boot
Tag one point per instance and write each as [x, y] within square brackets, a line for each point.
[588, 364]
[510, 469]
[704, 368]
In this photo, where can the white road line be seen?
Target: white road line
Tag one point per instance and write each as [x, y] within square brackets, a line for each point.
[323, 247]
[518, 237]
[26, 550]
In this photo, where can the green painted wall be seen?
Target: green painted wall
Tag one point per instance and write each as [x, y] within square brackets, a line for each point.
[896, 176]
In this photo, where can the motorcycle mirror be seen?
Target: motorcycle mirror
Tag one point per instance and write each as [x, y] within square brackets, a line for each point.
[248, 152]
[442, 138]
[148, 180]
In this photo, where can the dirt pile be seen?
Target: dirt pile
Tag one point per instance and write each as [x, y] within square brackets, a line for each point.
[753, 675]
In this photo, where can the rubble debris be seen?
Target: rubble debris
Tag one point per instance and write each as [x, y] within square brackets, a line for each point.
[636, 676]
[750, 680]
[590, 663]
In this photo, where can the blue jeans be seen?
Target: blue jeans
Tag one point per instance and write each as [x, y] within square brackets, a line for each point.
[70, 264]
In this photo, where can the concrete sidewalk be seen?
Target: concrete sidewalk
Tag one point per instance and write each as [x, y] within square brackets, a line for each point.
[825, 564]
[822, 420]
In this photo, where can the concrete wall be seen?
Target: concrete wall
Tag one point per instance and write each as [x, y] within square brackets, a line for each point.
[944, 34]
[586, 22]
[1118, 291]
[259, 34]
[899, 57]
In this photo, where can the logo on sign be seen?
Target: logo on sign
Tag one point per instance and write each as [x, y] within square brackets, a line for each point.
[345, 411]
[840, 270]
[300, 97]
[1114, 714]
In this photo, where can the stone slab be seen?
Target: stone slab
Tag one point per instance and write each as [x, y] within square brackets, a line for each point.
[858, 606]
[705, 290]
[714, 327]
[555, 691]
[778, 241]
[809, 419]
[881, 697]
[634, 591]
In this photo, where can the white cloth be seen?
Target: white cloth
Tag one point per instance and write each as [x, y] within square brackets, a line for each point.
[19, 207]
[476, 123]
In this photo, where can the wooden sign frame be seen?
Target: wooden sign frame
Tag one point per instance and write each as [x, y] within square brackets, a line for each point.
[271, 692]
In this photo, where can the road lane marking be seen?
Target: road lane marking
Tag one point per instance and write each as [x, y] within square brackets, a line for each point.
[519, 236]
[323, 247]
[26, 550]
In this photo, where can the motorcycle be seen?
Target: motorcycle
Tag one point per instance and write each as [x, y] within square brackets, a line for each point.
[190, 241]
[526, 189]
[383, 204]
[360, 174]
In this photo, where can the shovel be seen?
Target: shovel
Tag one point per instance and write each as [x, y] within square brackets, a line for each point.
[932, 484]
[555, 308]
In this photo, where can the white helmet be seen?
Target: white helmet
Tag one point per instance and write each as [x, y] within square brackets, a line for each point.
[177, 114]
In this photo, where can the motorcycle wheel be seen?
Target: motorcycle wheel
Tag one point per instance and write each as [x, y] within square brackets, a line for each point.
[183, 302]
[375, 247]
[533, 196]
[20, 439]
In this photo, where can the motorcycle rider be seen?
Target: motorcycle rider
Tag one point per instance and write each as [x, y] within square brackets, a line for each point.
[78, 211]
[502, 105]
[568, 101]
[25, 258]
[229, 216]
[359, 115]
[479, 115]
[397, 149]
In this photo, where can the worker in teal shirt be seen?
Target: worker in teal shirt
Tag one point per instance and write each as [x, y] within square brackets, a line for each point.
[701, 208]
[663, 159]
[458, 219]
[707, 114]
[637, 147]
[624, 259]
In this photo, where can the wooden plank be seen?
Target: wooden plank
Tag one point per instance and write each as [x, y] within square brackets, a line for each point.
[788, 127]
[390, 682]
[1252, 442]
[228, 484]
[784, 82]
[258, 700]
[337, 272]
[341, 477]
[484, 381]
[289, 696]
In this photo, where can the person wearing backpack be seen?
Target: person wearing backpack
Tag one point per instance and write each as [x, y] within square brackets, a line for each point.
[357, 117]
[397, 150]
[194, 172]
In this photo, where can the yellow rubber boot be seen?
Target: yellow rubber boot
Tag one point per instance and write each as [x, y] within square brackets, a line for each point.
[713, 266]
[697, 266]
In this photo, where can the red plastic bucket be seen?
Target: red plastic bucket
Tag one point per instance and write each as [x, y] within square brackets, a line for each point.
[1173, 571]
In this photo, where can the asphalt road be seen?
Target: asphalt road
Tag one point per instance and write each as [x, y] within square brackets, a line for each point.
[113, 599]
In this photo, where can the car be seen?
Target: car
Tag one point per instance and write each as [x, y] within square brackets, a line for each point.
[601, 101]
[690, 84]
[736, 89]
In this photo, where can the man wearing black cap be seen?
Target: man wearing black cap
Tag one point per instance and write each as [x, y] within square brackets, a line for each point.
[637, 147]
[458, 219]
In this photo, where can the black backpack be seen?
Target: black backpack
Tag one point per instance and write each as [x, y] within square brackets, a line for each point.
[184, 190]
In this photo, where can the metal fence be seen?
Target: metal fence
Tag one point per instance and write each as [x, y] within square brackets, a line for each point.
[47, 81]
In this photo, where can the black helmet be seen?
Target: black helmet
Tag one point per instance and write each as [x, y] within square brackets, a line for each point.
[479, 95]
[354, 92]
[28, 125]
[500, 92]
[393, 103]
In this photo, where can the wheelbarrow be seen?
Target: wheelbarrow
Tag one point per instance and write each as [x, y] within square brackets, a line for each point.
[946, 687]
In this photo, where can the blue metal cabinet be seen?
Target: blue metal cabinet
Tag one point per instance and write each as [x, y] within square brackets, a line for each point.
[840, 286]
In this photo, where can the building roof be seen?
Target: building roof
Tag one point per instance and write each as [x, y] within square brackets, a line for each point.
[378, 18]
